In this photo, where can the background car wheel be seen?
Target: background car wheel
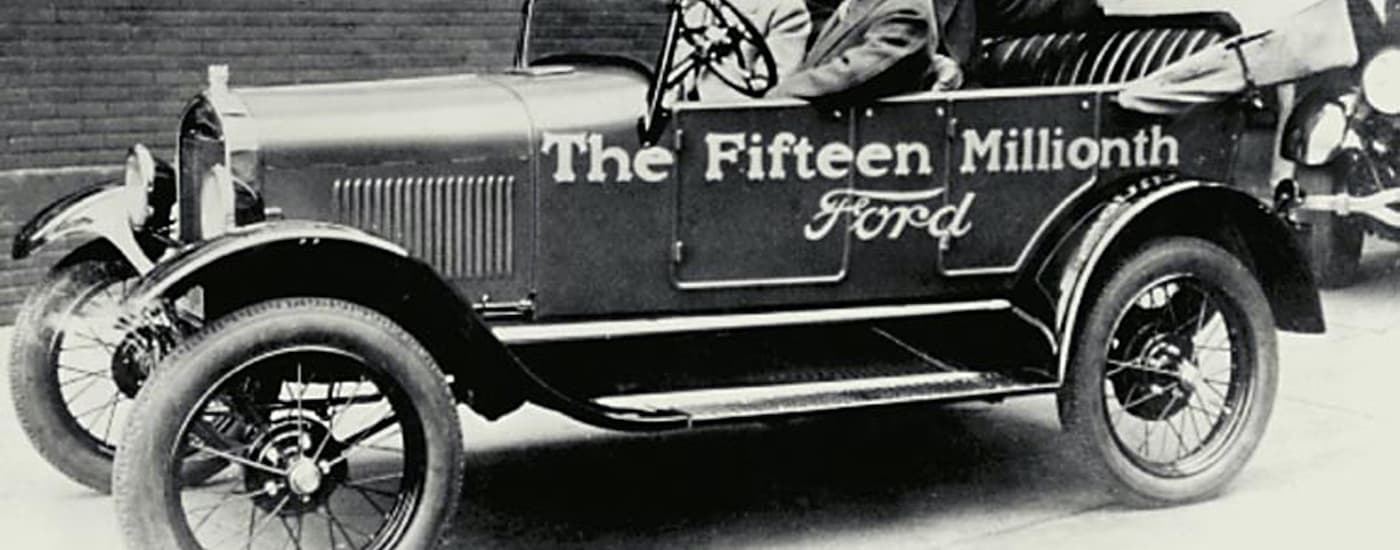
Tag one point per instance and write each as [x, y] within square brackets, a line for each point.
[351, 437]
[64, 394]
[1334, 242]
[73, 371]
[1173, 378]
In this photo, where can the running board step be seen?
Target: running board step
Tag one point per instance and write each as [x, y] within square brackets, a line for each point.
[753, 401]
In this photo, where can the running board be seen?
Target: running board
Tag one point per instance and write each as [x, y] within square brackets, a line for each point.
[533, 333]
[753, 401]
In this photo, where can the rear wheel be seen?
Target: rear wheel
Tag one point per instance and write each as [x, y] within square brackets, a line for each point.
[349, 436]
[1174, 374]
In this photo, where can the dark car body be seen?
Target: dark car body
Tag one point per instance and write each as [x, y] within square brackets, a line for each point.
[567, 233]
[549, 237]
[538, 220]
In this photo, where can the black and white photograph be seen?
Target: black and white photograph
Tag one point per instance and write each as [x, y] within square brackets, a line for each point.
[751, 274]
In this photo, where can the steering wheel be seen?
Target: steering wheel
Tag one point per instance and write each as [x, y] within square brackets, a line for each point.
[719, 42]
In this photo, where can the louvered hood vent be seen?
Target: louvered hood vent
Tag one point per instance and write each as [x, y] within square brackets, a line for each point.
[461, 225]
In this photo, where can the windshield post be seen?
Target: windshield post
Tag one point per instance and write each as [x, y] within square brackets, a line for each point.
[656, 115]
[522, 45]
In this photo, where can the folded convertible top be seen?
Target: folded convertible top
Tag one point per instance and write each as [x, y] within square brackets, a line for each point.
[1316, 38]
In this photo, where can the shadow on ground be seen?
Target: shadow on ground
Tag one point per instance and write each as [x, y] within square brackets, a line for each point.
[793, 480]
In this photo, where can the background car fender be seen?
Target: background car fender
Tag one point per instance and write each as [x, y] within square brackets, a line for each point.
[1227, 216]
[304, 258]
[98, 210]
[1295, 144]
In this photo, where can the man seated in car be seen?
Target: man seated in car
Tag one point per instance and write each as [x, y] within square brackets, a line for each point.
[875, 48]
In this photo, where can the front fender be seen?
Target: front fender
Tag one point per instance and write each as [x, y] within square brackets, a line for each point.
[287, 258]
[99, 210]
[1230, 217]
[193, 259]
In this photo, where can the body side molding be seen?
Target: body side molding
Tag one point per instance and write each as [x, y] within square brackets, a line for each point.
[528, 333]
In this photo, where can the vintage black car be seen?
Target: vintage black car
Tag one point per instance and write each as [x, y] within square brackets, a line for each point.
[299, 301]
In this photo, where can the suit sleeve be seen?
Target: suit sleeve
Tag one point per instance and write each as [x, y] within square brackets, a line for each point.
[892, 37]
[786, 34]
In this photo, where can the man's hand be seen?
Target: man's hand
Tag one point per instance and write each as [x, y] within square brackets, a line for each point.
[947, 75]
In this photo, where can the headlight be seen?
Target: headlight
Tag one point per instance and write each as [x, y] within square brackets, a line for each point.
[1325, 131]
[140, 175]
[216, 200]
[1380, 81]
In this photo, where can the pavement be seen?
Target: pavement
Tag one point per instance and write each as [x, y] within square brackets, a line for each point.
[966, 477]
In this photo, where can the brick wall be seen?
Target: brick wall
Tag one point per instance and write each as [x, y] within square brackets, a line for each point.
[81, 80]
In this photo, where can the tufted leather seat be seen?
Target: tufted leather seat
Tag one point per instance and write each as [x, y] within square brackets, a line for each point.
[1088, 57]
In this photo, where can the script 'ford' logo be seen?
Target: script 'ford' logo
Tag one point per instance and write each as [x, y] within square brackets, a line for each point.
[890, 213]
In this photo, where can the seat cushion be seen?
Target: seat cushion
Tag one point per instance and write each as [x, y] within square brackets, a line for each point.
[1087, 57]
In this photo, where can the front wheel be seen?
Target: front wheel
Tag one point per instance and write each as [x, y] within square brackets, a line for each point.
[349, 436]
[1174, 374]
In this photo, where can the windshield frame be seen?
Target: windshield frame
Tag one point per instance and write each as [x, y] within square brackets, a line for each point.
[522, 40]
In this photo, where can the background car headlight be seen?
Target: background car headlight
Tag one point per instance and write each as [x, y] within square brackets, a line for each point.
[139, 176]
[1380, 81]
[1325, 132]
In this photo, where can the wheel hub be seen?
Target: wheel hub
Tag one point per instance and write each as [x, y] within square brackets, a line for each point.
[1166, 382]
[305, 451]
[304, 477]
[137, 355]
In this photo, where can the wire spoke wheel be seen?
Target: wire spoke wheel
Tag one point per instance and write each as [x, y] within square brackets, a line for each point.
[1174, 373]
[85, 341]
[337, 428]
[321, 463]
[1178, 381]
[76, 364]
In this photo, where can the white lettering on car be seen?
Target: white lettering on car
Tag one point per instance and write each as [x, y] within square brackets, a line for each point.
[563, 145]
[782, 157]
[1045, 150]
[787, 154]
[753, 157]
[874, 214]
[649, 164]
[722, 147]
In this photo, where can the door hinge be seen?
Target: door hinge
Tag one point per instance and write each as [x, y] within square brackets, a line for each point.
[677, 252]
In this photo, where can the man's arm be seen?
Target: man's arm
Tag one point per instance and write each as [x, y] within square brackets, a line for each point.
[786, 34]
[896, 34]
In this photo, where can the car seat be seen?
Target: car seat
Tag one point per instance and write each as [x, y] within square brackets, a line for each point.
[1114, 50]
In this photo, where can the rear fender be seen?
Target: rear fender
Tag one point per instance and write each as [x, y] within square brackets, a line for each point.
[1229, 217]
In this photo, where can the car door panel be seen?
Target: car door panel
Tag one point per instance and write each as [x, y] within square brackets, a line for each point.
[749, 180]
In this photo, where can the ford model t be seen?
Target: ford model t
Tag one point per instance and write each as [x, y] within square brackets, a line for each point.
[300, 300]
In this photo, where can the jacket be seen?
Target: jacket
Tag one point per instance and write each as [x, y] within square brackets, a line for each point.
[879, 48]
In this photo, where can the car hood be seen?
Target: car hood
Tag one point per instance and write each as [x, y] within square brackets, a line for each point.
[433, 119]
